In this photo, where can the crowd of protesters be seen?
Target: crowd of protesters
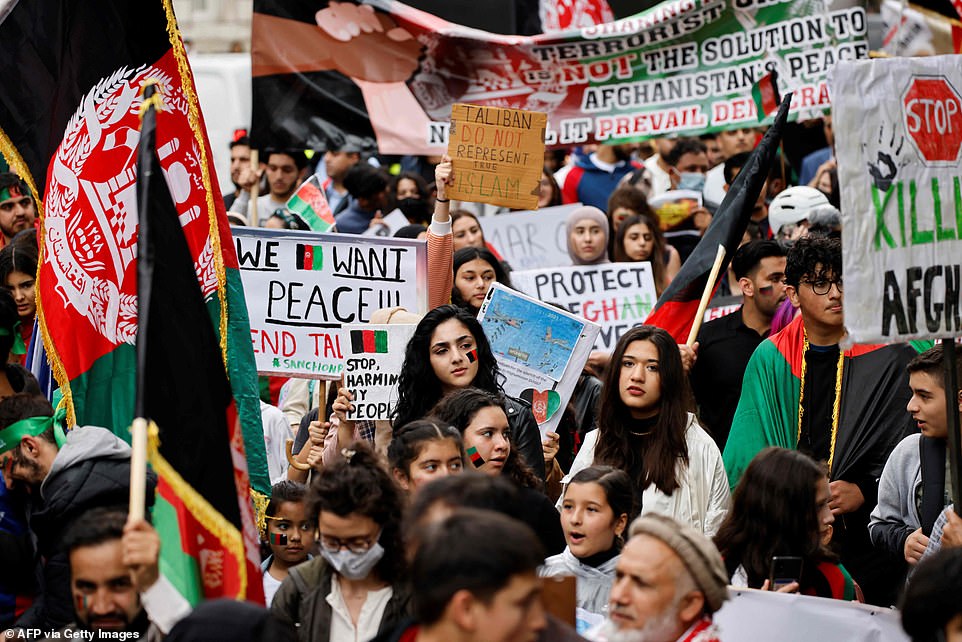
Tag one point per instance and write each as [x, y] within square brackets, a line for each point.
[675, 472]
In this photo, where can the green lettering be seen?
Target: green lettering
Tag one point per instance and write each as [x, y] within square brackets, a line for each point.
[881, 231]
[919, 237]
[940, 234]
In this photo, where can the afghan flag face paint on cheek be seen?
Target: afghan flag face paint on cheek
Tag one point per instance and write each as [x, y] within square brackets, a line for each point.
[472, 355]
[80, 602]
[475, 457]
[278, 539]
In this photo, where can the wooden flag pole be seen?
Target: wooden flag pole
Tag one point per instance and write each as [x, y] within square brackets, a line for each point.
[706, 295]
[138, 469]
[255, 190]
[952, 419]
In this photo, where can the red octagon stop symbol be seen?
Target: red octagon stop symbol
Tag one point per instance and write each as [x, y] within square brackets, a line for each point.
[933, 119]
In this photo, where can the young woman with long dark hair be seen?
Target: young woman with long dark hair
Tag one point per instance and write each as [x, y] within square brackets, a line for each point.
[448, 352]
[781, 508]
[645, 429]
[481, 418]
[639, 238]
[475, 269]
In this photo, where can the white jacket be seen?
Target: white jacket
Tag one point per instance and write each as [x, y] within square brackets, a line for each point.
[702, 500]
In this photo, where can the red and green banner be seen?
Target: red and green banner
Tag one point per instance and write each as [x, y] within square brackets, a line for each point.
[369, 341]
[311, 205]
[73, 138]
[381, 74]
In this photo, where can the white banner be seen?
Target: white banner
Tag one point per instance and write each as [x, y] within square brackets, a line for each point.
[616, 296]
[301, 287]
[373, 356]
[530, 240]
[749, 616]
[898, 134]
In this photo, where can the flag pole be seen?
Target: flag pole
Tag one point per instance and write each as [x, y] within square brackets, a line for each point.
[138, 469]
[255, 190]
[706, 295]
[952, 417]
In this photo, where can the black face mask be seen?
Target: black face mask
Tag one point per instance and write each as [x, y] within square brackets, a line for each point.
[415, 209]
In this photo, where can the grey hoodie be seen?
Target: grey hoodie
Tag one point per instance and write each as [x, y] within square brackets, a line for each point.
[896, 516]
[86, 442]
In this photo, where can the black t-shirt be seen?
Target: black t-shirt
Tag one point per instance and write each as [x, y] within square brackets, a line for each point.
[820, 376]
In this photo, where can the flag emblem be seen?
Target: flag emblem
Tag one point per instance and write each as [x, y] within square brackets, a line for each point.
[310, 257]
[369, 341]
[475, 457]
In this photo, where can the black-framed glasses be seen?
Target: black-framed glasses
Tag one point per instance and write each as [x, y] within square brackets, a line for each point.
[356, 545]
[823, 286]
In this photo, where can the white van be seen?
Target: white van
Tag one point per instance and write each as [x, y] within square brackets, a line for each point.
[223, 83]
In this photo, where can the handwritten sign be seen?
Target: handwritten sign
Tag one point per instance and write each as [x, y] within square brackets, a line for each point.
[374, 356]
[301, 287]
[530, 240]
[540, 349]
[498, 155]
[900, 143]
[616, 296]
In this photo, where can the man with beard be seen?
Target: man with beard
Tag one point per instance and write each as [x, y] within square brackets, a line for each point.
[725, 345]
[669, 581]
[17, 211]
[65, 476]
[114, 579]
[592, 179]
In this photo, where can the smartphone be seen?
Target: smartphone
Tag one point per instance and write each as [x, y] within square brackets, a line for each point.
[784, 571]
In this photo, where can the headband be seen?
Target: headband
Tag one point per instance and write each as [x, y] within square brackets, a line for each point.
[12, 191]
[29, 427]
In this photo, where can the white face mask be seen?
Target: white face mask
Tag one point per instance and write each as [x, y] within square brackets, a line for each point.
[354, 566]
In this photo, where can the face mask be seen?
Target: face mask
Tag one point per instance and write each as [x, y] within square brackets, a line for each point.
[354, 566]
[691, 180]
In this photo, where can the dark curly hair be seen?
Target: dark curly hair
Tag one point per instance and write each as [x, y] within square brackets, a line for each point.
[813, 257]
[774, 513]
[459, 408]
[360, 485]
[418, 386]
[653, 460]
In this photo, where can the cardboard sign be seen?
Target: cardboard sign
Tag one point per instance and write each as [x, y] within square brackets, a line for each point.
[373, 356]
[540, 349]
[497, 154]
[674, 207]
[616, 296]
[899, 128]
[530, 240]
[301, 287]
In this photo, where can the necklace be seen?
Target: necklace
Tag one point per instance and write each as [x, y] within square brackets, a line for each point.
[640, 434]
[835, 405]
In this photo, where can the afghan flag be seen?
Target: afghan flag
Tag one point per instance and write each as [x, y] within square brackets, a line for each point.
[766, 96]
[69, 126]
[369, 341]
[311, 205]
[203, 511]
[677, 306]
[309, 257]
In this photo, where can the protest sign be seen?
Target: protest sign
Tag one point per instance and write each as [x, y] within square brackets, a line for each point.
[750, 615]
[912, 30]
[373, 356]
[540, 350]
[681, 67]
[497, 155]
[388, 225]
[674, 207]
[616, 296]
[301, 287]
[530, 240]
[898, 126]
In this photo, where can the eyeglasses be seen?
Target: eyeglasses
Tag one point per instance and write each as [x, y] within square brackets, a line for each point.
[823, 286]
[354, 544]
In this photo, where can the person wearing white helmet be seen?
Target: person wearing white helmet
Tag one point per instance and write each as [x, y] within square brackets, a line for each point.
[788, 212]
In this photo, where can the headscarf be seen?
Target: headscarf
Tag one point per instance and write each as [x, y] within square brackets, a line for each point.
[593, 214]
